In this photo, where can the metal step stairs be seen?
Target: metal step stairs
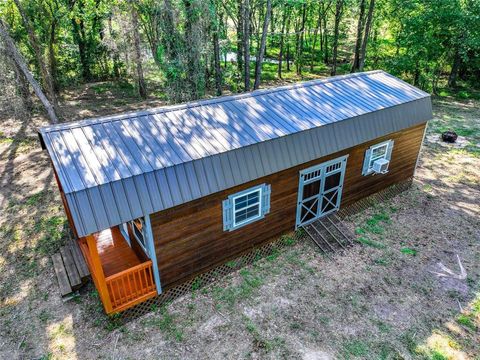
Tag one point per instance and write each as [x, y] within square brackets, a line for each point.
[330, 234]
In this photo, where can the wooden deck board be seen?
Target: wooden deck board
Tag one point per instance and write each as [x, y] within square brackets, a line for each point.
[72, 271]
[79, 260]
[114, 251]
[61, 273]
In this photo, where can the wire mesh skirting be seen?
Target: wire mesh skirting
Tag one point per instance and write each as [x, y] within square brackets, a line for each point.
[379, 197]
[253, 255]
[214, 274]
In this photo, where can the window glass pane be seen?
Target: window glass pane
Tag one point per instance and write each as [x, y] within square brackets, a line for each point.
[379, 152]
[246, 207]
[253, 198]
[240, 203]
[138, 228]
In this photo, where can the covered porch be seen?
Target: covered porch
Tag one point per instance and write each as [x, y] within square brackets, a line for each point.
[121, 270]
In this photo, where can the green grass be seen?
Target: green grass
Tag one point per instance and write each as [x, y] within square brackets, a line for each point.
[52, 230]
[467, 321]
[166, 323]
[230, 295]
[356, 348]
[369, 242]
[408, 251]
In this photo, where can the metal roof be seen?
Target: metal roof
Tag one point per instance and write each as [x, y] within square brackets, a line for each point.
[118, 168]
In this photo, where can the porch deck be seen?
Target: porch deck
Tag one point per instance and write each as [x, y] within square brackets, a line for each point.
[122, 276]
[115, 254]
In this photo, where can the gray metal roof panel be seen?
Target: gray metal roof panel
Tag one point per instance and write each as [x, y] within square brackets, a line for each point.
[117, 168]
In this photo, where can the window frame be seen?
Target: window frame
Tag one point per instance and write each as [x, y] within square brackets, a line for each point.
[369, 159]
[229, 209]
[235, 210]
[143, 244]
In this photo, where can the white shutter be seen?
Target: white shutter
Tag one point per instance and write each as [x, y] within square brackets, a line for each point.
[366, 161]
[227, 215]
[389, 150]
[266, 190]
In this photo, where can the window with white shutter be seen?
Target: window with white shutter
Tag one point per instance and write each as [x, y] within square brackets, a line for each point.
[375, 152]
[246, 207]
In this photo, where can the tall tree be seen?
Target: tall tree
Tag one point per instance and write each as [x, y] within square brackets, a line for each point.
[261, 49]
[137, 53]
[20, 63]
[338, 17]
[300, 37]
[368, 27]
[240, 28]
[215, 30]
[358, 41]
[35, 44]
[246, 43]
[285, 25]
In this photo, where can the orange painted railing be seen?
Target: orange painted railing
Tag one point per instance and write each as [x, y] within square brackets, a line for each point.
[119, 291]
[131, 286]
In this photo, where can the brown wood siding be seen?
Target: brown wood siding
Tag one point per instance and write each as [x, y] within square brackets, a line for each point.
[189, 238]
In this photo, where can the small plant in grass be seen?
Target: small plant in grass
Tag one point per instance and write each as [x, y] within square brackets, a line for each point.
[113, 322]
[356, 348]
[44, 316]
[381, 261]
[408, 251]
[166, 323]
[467, 321]
[35, 199]
[231, 264]
[369, 242]
[197, 283]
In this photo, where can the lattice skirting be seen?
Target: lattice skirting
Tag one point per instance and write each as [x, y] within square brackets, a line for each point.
[253, 255]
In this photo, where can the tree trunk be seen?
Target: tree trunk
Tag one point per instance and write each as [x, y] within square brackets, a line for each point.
[45, 75]
[360, 24]
[20, 63]
[452, 78]
[246, 43]
[23, 87]
[325, 39]
[51, 56]
[261, 50]
[368, 27]
[240, 26]
[137, 53]
[300, 37]
[318, 29]
[216, 52]
[282, 40]
[338, 16]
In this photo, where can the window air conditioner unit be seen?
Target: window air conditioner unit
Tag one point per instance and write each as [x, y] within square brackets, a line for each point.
[380, 166]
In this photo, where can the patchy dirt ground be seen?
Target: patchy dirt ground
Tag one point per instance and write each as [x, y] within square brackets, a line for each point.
[380, 300]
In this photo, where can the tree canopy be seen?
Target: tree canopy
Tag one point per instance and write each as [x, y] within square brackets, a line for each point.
[191, 47]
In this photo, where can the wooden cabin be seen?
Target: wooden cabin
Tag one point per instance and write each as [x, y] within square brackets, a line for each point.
[158, 196]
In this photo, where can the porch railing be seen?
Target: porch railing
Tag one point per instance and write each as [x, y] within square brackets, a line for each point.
[131, 286]
[119, 291]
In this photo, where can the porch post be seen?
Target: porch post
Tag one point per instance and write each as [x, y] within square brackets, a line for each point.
[151, 250]
[98, 275]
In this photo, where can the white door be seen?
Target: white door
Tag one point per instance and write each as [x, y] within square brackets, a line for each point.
[320, 190]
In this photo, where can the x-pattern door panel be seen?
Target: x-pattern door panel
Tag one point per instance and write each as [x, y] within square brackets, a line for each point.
[320, 190]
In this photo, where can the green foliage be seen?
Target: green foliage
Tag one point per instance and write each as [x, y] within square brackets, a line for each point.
[408, 251]
[468, 321]
[370, 242]
[356, 348]
[52, 230]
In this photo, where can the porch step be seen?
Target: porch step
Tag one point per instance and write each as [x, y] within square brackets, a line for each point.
[330, 234]
[70, 268]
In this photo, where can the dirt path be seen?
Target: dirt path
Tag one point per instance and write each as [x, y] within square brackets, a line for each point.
[376, 301]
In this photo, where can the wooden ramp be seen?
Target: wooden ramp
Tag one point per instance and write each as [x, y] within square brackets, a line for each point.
[70, 268]
[330, 234]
